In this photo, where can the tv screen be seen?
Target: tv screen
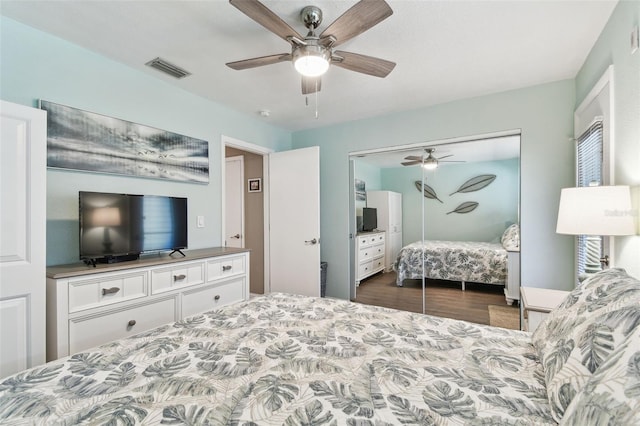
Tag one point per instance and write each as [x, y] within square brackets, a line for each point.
[369, 219]
[114, 225]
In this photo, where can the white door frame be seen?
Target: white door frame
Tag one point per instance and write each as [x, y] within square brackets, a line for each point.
[260, 150]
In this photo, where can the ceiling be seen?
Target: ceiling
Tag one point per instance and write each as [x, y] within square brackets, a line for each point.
[444, 50]
[489, 149]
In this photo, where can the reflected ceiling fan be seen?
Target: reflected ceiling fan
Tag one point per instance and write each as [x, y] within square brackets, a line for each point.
[312, 54]
[427, 160]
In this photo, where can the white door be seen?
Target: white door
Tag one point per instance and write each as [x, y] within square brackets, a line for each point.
[234, 202]
[23, 200]
[294, 200]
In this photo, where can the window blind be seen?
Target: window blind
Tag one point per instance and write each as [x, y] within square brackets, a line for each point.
[589, 164]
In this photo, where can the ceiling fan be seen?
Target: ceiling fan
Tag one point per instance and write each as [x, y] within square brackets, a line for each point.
[312, 54]
[429, 162]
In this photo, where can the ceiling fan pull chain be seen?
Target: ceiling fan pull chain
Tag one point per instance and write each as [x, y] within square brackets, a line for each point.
[316, 99]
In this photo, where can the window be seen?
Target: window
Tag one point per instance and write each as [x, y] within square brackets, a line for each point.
[593, 124]
[589, 162]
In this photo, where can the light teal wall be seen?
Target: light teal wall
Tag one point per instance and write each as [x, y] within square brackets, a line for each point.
[36, 66]
[371, 175]
[612, 47]
[545, 116]
[497, 203]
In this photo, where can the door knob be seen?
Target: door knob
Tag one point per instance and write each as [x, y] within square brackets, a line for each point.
[237, 236]
[311, 242]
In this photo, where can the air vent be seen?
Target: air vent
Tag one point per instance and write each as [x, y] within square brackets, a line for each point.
[167, 68]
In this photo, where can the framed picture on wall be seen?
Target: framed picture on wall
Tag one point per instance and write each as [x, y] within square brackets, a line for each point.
[255, 185]
[361, 194]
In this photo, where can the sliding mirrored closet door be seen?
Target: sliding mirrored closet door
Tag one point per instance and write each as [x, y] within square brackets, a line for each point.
[454, 195]
[471, 200]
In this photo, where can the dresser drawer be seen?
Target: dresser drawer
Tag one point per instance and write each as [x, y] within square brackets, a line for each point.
[165, 279]
[365, 254]
[377, 250]
[225, 267]
[363, 241]
[365, 268]
[377, 238]
[211, 297]
[106, 290]
[90, 331]
[377, 263]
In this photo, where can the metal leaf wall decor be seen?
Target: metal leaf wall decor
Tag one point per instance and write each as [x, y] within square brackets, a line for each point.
[428, 191]
[466, 207]
[475, 184]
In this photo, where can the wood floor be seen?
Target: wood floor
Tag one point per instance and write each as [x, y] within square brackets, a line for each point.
[443, 298]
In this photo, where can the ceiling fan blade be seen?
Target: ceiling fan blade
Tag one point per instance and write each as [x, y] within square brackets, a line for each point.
[265, 17]
[259, 62]
[362, 16]
[451, 161]
[411, 163]
[413, 157]
[361, 63]
[311, 84]
[445, 156]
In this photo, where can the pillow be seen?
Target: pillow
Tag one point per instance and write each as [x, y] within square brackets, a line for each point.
[612, 394]
[511, 238]
[583, 331]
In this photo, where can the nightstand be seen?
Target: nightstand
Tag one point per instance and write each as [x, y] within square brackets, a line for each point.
[537, 303]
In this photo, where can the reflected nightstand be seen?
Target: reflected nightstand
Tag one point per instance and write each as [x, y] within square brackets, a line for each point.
[537, 303]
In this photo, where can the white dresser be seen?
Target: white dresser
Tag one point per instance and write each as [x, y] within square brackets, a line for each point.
[389, 208]
[89, 306]
[370, 253]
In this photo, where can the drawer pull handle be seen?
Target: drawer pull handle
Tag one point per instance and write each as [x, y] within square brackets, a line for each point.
[226, 267]
[179, 277]
[217, 297]
[131, 323]
[111, 290]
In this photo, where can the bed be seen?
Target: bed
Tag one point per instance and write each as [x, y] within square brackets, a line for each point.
[464, 261]
[294, 360]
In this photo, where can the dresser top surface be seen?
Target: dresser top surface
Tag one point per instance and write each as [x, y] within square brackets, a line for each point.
[146, 260]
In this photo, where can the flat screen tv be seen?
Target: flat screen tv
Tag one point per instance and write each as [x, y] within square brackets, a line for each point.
[369, 219]
[116, 227]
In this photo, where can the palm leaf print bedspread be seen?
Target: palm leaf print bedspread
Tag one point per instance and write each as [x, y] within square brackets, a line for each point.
[291, 360]
[470, 261]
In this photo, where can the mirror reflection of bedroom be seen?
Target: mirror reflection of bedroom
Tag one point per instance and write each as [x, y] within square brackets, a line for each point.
[438, 228]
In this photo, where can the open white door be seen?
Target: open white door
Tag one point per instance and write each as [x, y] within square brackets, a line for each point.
[294, 200]
[23, 195]
[234, 202]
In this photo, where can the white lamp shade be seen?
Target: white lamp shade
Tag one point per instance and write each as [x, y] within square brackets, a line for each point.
[597, 210]
[106, 216]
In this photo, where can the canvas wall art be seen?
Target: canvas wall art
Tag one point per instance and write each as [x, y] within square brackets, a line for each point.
[86, 141]
[361, 193]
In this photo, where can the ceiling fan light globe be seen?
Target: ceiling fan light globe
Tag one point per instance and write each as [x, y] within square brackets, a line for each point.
[430, 164]
[311, 60]
[311, 66]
